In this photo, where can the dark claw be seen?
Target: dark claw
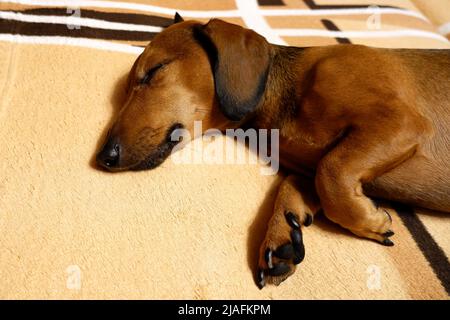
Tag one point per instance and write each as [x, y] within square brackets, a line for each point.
[260, 278]
[298, 259]
[279, 269]
[292, 220]
[285, 251]
[308, 220]
[388, 234]
[296, 236]
[388, 242]
[299, 255]
[268, 258]
[299, 248]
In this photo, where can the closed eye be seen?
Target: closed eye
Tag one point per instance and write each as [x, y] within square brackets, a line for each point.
[150, 73]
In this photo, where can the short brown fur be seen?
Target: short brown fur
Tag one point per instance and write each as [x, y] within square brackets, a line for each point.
[354, 122]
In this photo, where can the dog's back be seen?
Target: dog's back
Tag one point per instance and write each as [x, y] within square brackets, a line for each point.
[430, 70]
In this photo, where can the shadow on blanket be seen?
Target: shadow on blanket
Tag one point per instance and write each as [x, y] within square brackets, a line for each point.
[118, 97]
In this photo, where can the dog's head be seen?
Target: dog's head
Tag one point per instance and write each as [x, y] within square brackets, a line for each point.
[214, 73]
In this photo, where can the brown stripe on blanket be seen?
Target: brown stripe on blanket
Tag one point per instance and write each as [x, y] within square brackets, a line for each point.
[437, 224]
[332, 27]
[312, 4]
[417, 276]
[47, 29]
[271, 2]
[428, 246]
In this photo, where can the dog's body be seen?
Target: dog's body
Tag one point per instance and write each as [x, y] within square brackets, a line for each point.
[421, 76]
[423, 179]
[353, 120]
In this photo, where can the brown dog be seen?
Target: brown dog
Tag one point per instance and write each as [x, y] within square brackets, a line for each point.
[353, 120]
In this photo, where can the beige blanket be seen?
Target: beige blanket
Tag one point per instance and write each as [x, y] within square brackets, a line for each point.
[68, 230]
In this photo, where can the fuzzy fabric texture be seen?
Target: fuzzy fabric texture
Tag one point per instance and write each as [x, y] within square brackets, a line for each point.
[438, 12]
[192, 231]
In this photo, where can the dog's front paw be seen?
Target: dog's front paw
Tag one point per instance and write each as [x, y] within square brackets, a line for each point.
[281, 250]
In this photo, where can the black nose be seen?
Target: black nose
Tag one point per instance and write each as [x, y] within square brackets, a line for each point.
[109, 156]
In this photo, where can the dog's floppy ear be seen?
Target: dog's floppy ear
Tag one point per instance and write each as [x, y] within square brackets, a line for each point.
[240, 59]
[177, 18]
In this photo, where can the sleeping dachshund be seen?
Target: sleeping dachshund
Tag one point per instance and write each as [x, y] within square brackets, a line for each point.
[354, 122]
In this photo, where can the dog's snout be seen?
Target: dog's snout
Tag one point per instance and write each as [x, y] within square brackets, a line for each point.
[109, 156]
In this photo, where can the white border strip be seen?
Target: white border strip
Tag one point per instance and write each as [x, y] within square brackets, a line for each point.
[77, 21]
[249, 12]
[445, 29]
[214, 13]
[77, 42]
[335, 12]
[360, 34]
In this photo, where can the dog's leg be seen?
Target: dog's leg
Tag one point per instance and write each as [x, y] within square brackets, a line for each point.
[359, 158]
[282, 248]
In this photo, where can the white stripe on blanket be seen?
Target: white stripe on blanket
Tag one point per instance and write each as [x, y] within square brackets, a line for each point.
[360, 34]
[254, 20]
[445, 29]
[77, 21]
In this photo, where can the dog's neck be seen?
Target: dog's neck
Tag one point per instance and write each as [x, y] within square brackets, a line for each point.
[284, 86]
